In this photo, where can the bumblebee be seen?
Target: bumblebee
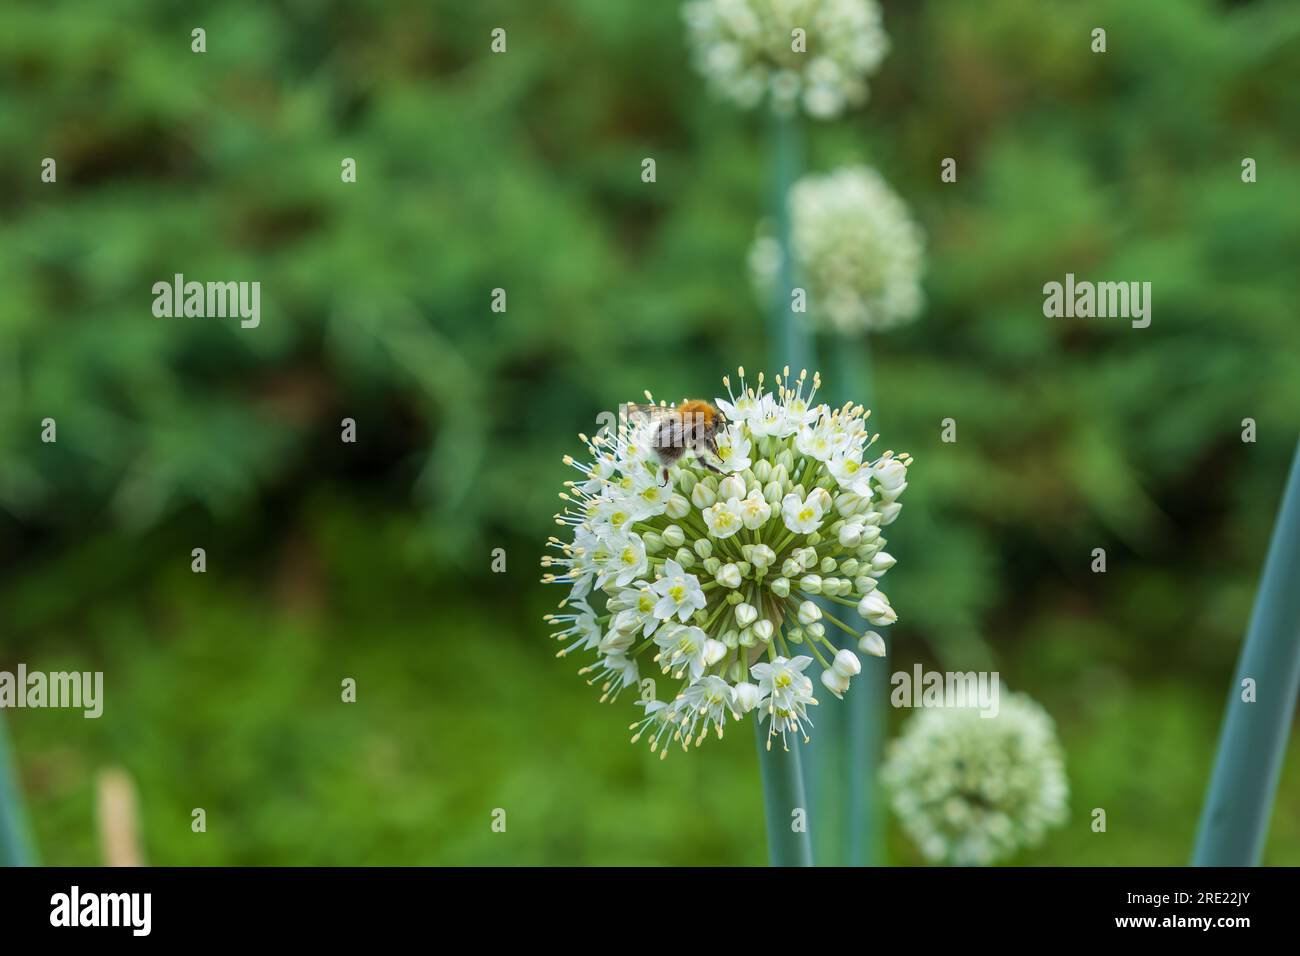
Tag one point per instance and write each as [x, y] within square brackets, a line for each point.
[693, 424]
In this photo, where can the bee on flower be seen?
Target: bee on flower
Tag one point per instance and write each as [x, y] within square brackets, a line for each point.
[708, 583]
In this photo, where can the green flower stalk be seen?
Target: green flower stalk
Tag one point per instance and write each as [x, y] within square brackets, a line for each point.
[971, 790]
[859, 732]
[16, 848]
[1253, 740]
[856, 250]
[790, 343]
[788, 839]
[792, 56]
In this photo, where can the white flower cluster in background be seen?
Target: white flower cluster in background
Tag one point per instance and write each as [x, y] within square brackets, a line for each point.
[748, 51]
[706, 584]
[857, 251]
[972, 790]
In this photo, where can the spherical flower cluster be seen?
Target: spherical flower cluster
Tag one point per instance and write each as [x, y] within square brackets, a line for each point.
[708, 577]
[971, 790]
[856, 250]
[814, 54]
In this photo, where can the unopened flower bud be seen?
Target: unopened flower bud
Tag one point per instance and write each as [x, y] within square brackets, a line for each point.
[847, 663]
[881, 563]
[875, 607]
[703, 496]
[809, 612]
[773, 492]
[616, 641]
[835, 682]
[873, 644]
[731, 487]
[745, 696]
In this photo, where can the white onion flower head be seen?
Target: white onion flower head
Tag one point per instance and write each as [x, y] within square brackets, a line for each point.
[972, 790]
[694, 589]
[856, 249]
[809, 55]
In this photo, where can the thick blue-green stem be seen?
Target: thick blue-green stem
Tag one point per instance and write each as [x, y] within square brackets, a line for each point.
[789, 344]
[788, 339]
[1252, 742]
[16, 847]
[858, 735]
[789, 842]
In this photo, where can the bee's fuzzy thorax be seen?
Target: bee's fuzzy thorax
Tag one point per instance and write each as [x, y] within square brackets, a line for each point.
[697, 406]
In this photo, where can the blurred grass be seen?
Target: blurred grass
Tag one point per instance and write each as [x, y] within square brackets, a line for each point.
[216, 698]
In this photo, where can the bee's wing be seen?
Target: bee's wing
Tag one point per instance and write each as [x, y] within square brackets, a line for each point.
[640, 414]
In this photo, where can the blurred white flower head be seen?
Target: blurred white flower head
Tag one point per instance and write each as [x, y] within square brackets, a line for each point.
[692, 580]
[857, 252]
[972, 790]
[813, 55]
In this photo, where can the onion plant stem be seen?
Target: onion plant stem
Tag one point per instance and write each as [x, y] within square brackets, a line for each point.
[1261, 703]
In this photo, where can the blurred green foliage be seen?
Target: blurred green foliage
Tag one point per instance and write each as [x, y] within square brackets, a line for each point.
[522, 171]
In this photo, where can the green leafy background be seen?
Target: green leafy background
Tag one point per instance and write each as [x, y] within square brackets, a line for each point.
[522, 171]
